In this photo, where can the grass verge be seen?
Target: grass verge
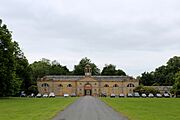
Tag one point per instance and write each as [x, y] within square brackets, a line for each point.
[32, 108]
[146, 108]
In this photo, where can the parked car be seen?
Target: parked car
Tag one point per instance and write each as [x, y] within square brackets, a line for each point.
[129, 95]
[22, 94]
[121, 95]
[143, 95]
[113, 95]
[150, 95]
[45, 95]
[136, 94]
[103, 95]
[166, 95]
[51, 94]
[73, 95]
[158, 95]
[39, 95]
[66, 95]
[32, 95]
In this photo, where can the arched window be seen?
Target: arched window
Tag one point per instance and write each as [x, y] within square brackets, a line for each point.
[106, 85]
[130, 85]
[115, 85]
[60, 85]
[69, 85]
[45, 85]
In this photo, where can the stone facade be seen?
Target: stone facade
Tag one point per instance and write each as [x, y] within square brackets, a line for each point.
[87, 84]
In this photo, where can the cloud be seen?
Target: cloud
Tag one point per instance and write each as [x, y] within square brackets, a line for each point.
[118, 32]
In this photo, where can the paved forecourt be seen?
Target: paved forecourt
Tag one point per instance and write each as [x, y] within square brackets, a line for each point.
[89, 108]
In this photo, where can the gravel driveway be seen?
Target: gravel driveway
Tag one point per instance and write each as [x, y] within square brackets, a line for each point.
[89, 108]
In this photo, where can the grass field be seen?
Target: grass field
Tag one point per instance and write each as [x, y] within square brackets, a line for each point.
[32, 108]
[146, 108]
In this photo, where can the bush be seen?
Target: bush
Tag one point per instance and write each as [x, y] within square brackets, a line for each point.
[33, 89]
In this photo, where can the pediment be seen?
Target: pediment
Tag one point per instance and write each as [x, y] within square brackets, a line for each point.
[88, 79]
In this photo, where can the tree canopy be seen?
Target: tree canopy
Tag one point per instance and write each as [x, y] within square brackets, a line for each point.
[9, 81]
[46, 67]
[79, 69]
[163, 75]
[111, 70]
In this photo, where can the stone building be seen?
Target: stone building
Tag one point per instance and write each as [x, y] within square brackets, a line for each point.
[87, 84]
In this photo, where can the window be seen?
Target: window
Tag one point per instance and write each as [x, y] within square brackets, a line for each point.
[60, 85]
[80, 83]
[130, 85]
[69, 85]
[45, 85]
[115, 85]
[106, 85]
[95, 84]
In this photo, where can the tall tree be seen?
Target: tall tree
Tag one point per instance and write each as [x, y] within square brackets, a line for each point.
[9, 83]
[147, 78]
[40, 68]
[46, 67]
[79, 69]
[23, 71]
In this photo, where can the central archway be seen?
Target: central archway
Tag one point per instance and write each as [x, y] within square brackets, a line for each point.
[87, 89]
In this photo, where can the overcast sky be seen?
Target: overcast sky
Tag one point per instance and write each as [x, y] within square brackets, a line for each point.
[134, 35]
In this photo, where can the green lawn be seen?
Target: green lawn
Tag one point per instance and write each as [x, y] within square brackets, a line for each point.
[32, 108]
[146, 108]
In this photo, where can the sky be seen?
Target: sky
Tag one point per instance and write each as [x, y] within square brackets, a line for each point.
[134, 35]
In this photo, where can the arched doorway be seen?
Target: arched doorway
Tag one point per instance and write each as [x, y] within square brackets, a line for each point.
[88, 89]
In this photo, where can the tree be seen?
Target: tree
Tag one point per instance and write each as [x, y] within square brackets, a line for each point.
[176, 86]
[33, 89]
[40, 69]
[111, 70]
[23, 71]
[57, 69]
[46, 67]
[79, 69]
[163, 75]
[9, 82]
[147, 78]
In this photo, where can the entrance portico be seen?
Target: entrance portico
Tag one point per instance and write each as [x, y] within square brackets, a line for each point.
[88, 89]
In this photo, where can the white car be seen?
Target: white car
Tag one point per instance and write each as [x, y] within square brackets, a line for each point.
[158, 95]
[113, 95]
[51, 94]
[150, 95]
[121, 95]
[38, 95]
[32, 95]
[45, 95]
[166, 95]
[66, 95]
[143, 95]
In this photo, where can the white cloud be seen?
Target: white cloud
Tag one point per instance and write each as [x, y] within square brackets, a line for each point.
[135, 35]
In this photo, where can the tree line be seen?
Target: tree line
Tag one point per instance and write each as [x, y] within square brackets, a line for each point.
[16, 74]
[165, 75]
